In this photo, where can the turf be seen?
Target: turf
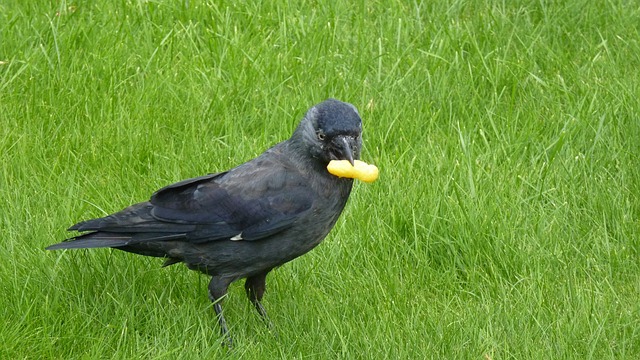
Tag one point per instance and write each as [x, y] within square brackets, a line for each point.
[504, 224]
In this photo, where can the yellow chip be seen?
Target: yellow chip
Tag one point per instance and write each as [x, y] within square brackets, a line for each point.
[361, 170]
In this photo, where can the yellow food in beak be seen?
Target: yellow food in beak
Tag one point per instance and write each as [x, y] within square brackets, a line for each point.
[360, 170]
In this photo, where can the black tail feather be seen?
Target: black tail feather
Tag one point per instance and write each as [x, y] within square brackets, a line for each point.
[88, 244]
[102, 239]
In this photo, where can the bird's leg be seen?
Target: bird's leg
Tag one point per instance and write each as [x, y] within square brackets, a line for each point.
[218, 289]
[255, 286]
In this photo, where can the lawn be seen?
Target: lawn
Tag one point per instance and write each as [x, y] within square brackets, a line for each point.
[505, 223]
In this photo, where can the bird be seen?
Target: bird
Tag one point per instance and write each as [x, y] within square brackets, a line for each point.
[244, 222]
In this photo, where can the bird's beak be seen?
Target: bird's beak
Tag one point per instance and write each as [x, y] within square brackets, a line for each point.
[346, 144]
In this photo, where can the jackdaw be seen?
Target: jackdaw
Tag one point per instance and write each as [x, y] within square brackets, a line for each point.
[244, 222]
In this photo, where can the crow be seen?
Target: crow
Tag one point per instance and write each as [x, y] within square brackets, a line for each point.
[244, 222]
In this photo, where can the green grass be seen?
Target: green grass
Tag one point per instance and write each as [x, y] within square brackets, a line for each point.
[505, 223]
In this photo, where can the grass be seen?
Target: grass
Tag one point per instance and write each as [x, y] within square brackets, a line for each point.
[504, 225]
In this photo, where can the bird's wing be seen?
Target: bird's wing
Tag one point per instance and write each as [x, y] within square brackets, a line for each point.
[250, 202]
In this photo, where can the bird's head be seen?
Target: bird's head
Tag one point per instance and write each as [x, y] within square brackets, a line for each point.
[331, 130]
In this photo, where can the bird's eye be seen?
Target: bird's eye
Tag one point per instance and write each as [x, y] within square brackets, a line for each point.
[321, 136]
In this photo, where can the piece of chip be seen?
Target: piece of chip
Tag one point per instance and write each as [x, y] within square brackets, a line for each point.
[360, 170]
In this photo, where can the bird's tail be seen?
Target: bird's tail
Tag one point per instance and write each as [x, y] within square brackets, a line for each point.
[103, 239]
[126, 230]
[92, 240]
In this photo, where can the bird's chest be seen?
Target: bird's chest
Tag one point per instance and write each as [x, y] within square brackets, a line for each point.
[312, 229]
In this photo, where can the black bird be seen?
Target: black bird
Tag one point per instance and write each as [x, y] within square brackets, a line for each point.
[244, 222]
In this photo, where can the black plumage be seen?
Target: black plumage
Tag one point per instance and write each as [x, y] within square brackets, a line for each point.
[244, 222]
